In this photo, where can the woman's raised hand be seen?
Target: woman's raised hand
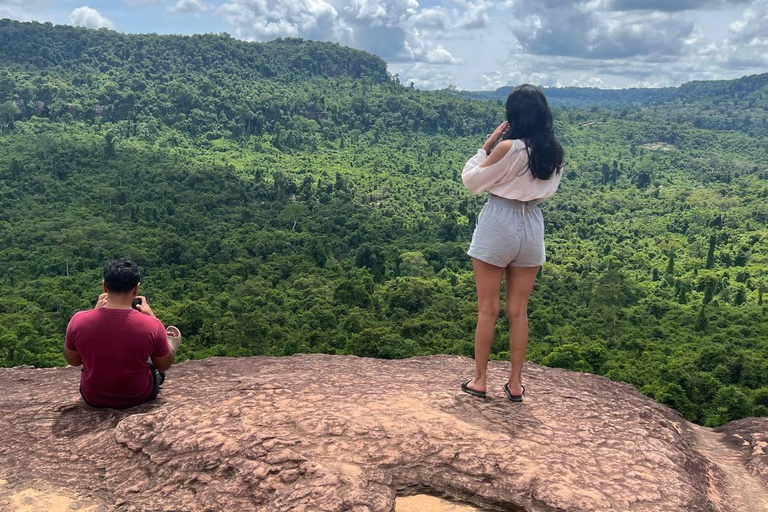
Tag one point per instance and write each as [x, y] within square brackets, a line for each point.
[101, 301]
[495, 136]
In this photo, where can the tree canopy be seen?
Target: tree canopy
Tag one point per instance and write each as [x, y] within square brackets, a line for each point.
[292, 197]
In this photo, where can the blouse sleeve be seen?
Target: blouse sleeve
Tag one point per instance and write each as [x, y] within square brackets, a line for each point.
[479, 179]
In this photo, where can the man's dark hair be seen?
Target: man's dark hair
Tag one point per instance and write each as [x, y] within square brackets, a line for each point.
[121, 275]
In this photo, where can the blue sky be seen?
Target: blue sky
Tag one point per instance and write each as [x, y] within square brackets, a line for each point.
[472, 44]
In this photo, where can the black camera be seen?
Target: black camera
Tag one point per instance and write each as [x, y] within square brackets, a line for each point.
[136, 303]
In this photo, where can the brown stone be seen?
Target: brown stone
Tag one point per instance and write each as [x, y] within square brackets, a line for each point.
[330, 433]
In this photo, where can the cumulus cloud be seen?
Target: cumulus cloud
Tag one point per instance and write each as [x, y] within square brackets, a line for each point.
[267, 19]
[392, 29]
[597, 43]
[432, 18]
[23, 10]
[381, 12]
[753, 25]
[416, 48]
[424, 76]
[134, 3]
[466, 15]
[514, 74]
[747, 44]
[89, 18]
[560, 27]
[585, 80]
[189, 6]
[471, 14]
[672, 5]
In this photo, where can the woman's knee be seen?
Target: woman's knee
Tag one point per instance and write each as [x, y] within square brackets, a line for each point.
[489, 309]
[517, 312]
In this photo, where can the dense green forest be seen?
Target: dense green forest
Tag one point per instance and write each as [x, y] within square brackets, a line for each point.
[740, 105]
[292, 196]
[586, 97]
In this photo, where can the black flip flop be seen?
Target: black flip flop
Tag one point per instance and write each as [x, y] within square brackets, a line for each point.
[465, 388]
[510, 396]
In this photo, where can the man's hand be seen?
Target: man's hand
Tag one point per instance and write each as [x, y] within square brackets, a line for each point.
[174, 338]
[144, 306]
[101, 301]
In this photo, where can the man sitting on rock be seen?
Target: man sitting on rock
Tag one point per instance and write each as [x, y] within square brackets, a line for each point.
[123, 347]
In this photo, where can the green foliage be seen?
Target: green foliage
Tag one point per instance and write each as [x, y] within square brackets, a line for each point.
[740, 105]
[289, 197]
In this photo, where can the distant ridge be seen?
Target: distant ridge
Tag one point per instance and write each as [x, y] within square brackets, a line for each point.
[32, 45]
[749, 88]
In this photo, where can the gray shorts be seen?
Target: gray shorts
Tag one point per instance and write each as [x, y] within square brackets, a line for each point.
[509, 232]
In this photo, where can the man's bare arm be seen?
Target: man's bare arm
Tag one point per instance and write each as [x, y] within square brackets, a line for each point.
[165, 362]
[72, 357]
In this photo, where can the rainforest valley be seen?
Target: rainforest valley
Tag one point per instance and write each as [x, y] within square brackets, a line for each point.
[292, 196]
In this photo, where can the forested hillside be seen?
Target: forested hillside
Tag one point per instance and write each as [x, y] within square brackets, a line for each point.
[292, 197]
[740, 105]
[586, 97]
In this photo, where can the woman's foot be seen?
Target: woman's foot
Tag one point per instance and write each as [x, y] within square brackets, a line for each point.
[511, 395]
[475, 389]
[515, 384]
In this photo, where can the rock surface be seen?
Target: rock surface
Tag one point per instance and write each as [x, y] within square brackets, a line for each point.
[332, 433]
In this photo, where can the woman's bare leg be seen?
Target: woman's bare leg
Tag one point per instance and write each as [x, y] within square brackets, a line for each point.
[488, 280]
[519, 286]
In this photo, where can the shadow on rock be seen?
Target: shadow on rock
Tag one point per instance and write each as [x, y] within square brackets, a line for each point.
[76, 419]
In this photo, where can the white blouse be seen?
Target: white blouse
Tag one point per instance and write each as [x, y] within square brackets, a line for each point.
[510, 177]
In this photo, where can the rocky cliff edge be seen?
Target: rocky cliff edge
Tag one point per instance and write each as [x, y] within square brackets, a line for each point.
[333, 433]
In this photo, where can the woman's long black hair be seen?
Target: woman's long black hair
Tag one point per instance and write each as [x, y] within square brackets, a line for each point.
[530, 118]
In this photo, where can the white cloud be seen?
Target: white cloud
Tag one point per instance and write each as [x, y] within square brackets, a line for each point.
[611, 43]
[424, 76]
[432, 18]
[586, 80]
[558, 27]
[267, 19]
[420, 51]
[747, 44]
[455, 14]
[89, 18]
[671, 5]
[753, 25]
[472, 15]
[134, 3]
[629, 43]
[23, 10]
[376, 13]
[558, 71]
[189, 6]
[392, 29]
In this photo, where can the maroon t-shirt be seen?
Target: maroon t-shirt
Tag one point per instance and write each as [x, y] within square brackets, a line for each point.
[115, 345]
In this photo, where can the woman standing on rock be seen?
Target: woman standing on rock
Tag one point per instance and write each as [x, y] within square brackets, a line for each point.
[520, 165]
